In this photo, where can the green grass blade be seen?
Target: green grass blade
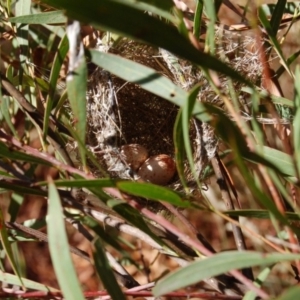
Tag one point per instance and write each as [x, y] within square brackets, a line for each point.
[258, 213]
[277, 16]
[77, 87]
[273, 39]
[22, 7]
[154, 192]
[7, 247]
[210, 34]
[290, 294]
[179, 148]
[296, 123]
[52, 17]
[60, 55]
[59, 248]
[125, 20]
[29, 284]
[216, 265]
[187, 112]
[105, 272]
[198, 18]
[260, 279]
[6, 152]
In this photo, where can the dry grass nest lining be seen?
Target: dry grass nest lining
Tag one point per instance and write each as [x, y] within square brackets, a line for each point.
[121, 113]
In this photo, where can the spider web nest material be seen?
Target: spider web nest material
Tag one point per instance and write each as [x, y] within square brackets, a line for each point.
[121, 113]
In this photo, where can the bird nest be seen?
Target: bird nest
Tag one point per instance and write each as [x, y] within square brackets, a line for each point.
[122, 113]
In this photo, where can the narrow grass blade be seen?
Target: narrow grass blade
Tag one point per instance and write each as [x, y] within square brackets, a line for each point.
[179, 148]
[6, 152]
[7, 247]
[85, 183]
[198, 18]
[59, 248]
[290, 294]
[76, 88]
[259, 214]
[273, 39]
[54, 75]
[28, 284]
[277, 16]
[216, 265]
[105, 272]
[22, 7]
[296, 123]
[187, 112]
[52, 17]
[210, 34]
[21, 188]
[124, 19]
[260, 279]
[154, 192]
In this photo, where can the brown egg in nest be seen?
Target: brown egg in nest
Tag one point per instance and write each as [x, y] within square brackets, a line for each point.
[134, 155]
[158, 169]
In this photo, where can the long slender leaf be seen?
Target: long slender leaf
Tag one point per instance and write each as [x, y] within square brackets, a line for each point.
[153, 192]
[105, 272]
[51, 17]
[291, 294]
[7, 247]
[187, 112]
[56, 66]
[179, 148]
[29, 284]
[125, 20]
[277, 15]
[59, 248]
[216, 265]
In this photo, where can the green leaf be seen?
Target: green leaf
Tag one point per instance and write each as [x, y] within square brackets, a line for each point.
[59, 58]
[123, 19]
[4, 105]
[273, 38]
[215, 265]
[198, 19]
[59, 248]
[156, 7]
[179, 148]
[154, 192]
[6, 152]
[29, 284]
[258, 213]
[85, 183]
[282, 161]
[187, 111]
[7, 247]
[260, 279]
[296, 123]
[210, 34]
[22, 7]
[21, 188]
[290, 294]
[105, 272]
[51, 17]
[277, 16]
[76, 87]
